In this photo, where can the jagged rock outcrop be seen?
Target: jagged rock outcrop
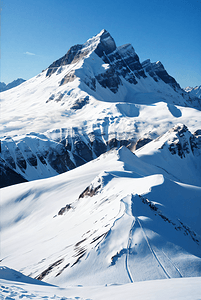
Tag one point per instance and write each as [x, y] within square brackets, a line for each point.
[157, 71]
[8, 176]
[123, 61]
[48, 158]
[194, 92]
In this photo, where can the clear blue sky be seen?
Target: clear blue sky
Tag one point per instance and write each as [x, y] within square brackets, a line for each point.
[35, 33]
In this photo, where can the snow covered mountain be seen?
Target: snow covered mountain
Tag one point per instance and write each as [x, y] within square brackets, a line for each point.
[115, 219]
[96, 97]
[194, 92]
[14, 83]
[128, 209]
[178, 152]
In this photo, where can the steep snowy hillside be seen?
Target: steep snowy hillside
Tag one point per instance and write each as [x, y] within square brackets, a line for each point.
[96, 97]
[115, 219]
[178, 152]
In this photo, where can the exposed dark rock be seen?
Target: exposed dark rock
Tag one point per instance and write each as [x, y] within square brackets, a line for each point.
[98, 237]
[30, 157]
[59, 273]
[90, 82]
[64, 209]
[21, 162]
[99, 147]
[181, 143]
[83, 150]
[8, 176]
[41, 157]
[59, 159]
[106, 45]
[89, 191]
[140, 143]
[82, 254]
[70, 77]
[113, 143]
[51, 98]
[126, 63]
[48, 270]
[80, 242]
[79, 103]
[109, 79]
[71, 56]
[157, 70]
[8, 157]
[115, 258]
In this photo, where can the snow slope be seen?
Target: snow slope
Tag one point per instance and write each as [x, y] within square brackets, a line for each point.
[112, 220]
[178, 152]
[174, 289]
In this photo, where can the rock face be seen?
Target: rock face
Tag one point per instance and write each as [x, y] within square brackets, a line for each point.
[177, 152]
[157, 70]
[8, 176]
[106, 45]
[48, 158]
[184, 143]
[123, 61]
[194, 92]
[71, 56]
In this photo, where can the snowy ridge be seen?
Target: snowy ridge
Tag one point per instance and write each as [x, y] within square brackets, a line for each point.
[117, 220]
[178, 152]
[194, 92]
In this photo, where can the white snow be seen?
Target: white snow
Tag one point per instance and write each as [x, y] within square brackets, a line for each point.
[168, 289]
[110, 236]
[123, 226]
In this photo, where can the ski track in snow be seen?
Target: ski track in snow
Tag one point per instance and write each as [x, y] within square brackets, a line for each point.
[174, 266]
[128, 251]
[152, 251]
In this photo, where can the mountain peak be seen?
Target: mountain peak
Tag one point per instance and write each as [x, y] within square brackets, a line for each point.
[103, 43]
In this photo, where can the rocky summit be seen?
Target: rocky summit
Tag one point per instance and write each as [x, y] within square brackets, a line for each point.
[95, 98]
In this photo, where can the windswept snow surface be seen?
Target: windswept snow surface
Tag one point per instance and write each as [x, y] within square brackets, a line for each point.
[174, 289]
[112, 220]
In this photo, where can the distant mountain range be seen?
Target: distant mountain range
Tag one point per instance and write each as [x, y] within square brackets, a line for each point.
[194, 92]
[14, 83]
